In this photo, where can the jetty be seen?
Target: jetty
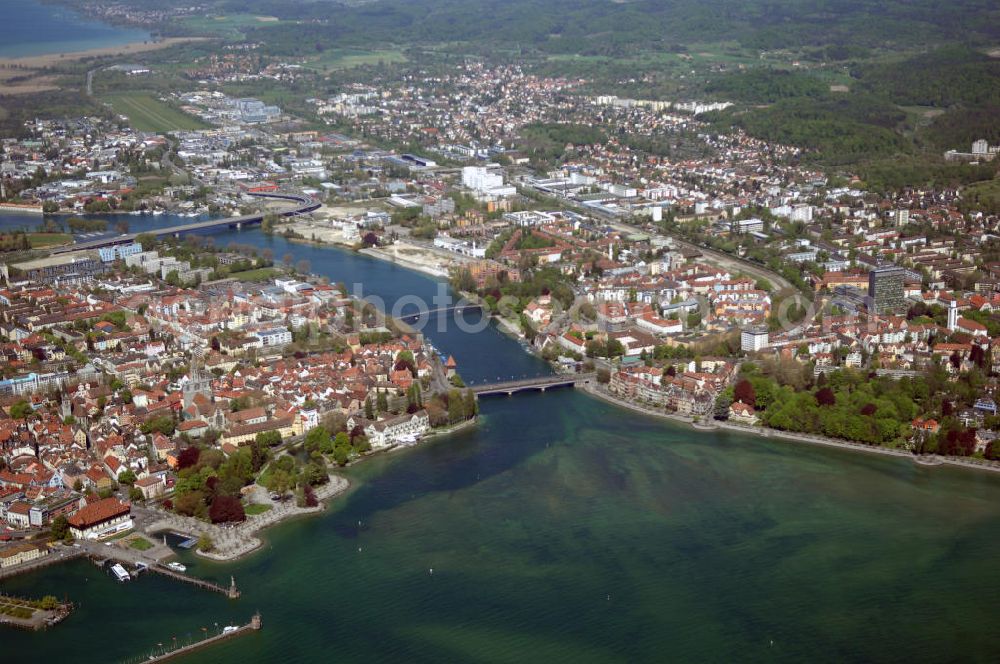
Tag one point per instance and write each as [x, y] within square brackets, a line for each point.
[232, 591]
[101, 556]
[162, 653]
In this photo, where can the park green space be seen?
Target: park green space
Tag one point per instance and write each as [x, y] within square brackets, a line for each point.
[42, 240]
[259, 274]
[140, 544]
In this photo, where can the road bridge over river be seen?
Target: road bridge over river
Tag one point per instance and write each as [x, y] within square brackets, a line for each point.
[541, 383]
[305, 206]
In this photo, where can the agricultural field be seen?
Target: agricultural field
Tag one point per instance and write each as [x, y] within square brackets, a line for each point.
[147, 113]
[229, 26]
[335, 59]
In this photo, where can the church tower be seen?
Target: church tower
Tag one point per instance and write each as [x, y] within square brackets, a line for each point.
[952, 315]
[199, 382]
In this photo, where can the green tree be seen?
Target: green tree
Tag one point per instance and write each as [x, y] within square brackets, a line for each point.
[471, 405]
[60, 527]
[317, 439]
[205, 543]
[268, 438]
[279, 481]
[342, 440]
[456, 407]
[21, 410]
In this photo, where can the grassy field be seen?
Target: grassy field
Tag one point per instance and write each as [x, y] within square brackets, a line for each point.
[229, 26]
[140, 544]
[42, 240]
[147, 113]
[260, 274]
[14, 241]
[334, 59]
[257, 508]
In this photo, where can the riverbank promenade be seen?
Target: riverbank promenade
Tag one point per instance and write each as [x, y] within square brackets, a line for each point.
[601, 392]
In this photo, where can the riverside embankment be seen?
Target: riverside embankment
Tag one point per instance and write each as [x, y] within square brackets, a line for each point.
[458, 549]
[708, 425]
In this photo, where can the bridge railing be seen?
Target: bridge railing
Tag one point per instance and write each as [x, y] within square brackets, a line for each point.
[306, 205]
[539, 381]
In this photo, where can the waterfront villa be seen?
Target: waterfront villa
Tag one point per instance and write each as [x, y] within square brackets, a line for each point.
[101, 519]
[742, 413]
[392, 431]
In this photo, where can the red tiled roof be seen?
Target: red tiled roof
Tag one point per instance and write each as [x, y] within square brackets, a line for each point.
[191, 424]
[99, 512]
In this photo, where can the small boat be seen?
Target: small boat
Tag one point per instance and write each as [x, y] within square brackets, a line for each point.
[120, 572]
[177, 567]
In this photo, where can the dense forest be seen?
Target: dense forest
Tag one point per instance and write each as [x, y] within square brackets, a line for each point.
[765, 86]
[891, 120]
[943, 77]
[841, 129]
[836, 28]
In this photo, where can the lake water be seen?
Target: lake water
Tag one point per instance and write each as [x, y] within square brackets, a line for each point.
[563, 529]
[32, 28]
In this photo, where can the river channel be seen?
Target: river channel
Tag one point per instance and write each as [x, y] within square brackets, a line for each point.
[562, 529]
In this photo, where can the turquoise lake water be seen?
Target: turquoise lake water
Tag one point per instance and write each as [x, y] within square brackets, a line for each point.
[32, 28]
[562, 529]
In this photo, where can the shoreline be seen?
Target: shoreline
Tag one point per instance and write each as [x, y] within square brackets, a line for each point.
[234, 543]
[448, 430]
[791, 436]
[42, 61]
[382, 254]
[379, 253]
[246, 538]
